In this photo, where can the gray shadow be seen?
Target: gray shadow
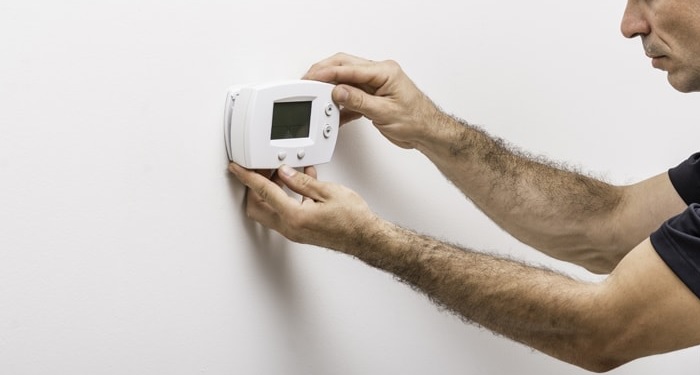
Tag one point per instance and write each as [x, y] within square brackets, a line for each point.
[273, 260]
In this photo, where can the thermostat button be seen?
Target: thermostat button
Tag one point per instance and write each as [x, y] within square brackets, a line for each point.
[327, 130]
[329, 109]
[281, 155]
[301, 154]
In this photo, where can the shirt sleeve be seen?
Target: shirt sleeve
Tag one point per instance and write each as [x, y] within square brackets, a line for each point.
[686, 179]
[678, 243]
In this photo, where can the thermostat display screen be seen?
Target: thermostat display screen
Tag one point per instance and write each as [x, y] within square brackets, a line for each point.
[291, 120]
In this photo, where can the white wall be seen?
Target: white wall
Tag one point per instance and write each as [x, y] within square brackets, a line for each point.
[123, 245]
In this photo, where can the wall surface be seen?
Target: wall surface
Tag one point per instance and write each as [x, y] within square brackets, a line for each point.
[123, 245]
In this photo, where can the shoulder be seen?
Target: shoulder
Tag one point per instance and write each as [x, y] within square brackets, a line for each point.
[677, 242]
[685, 177]
[645, 308]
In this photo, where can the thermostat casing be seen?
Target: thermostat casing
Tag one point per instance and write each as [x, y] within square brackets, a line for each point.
[286, 122]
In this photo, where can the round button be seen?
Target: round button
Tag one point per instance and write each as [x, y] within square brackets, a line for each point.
[327, 130]
[281, 155]
[329, 109]
[301, 154]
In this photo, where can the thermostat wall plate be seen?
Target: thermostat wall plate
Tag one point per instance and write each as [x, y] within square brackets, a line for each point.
[287, 122]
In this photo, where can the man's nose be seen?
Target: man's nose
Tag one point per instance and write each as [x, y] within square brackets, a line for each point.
[634, 21]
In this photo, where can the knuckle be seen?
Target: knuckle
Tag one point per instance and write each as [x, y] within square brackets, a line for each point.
[301, 182]
[393, 65]
[307, 182]
[262, 193]
[315, 67]
[358, 101]
[343, 58]
[302, 179]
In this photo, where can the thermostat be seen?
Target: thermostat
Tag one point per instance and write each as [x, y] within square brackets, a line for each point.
[289, 122]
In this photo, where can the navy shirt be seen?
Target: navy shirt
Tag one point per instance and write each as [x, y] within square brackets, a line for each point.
[678, 239]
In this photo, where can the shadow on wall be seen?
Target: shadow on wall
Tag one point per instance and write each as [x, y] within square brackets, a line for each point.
[280, 274]
[270, 250]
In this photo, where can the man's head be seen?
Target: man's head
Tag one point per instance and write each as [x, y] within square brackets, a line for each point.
[670, 33]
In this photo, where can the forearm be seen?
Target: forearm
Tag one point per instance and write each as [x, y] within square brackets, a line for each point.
[560, 212]
[596, 326]
[537, 307]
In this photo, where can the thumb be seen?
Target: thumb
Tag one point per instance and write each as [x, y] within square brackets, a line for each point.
[357, 100]
[304, 184]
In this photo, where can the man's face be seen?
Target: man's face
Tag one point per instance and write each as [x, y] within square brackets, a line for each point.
[670, 33]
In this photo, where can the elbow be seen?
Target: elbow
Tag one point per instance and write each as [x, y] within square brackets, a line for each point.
[597, 359]
[606, 348]
[592, 351]
[601, 364]
[593, 359]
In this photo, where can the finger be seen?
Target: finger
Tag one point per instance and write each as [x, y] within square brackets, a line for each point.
[343, 58]
[355, 100]
[270, 174]
[311, 172]
[267, 191]
[303, 184]
[258, 210]
[347, 115]
[276, 179]
[372, 75]
[339, 59]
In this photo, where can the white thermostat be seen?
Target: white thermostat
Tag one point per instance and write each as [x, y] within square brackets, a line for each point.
[288, 122]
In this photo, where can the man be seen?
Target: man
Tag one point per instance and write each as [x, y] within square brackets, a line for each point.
[649, 302]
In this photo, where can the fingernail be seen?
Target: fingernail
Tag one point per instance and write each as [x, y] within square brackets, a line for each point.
[287, 170]
[342, 95]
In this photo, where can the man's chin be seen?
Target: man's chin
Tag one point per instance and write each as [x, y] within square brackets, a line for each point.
[683, 85]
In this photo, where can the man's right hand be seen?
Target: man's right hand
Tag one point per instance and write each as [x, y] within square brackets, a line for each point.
[380, 91]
